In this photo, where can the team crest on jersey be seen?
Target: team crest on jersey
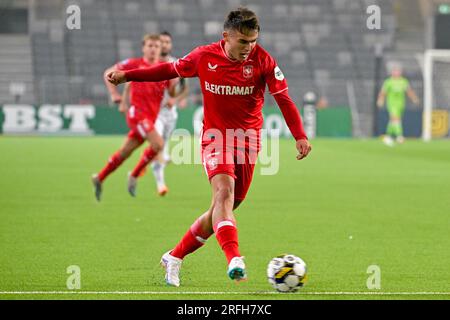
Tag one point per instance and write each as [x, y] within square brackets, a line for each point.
[247, 71]
[212, 163]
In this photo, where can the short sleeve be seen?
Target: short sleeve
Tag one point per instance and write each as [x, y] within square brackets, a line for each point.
[274, 77]
[127, 64]
[187, 67]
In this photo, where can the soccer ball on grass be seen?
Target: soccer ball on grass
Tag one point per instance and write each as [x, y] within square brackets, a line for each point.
[286, 273]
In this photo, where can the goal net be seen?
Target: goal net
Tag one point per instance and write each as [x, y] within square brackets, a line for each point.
[436, 114]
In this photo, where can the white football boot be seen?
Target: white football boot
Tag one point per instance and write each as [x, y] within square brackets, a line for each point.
[236, 269]
[400, 139]
[172, 265]
[387, 140]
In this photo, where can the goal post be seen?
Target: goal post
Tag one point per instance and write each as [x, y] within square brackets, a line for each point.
[436, 77]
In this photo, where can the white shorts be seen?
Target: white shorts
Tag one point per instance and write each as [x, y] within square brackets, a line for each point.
[165, 124]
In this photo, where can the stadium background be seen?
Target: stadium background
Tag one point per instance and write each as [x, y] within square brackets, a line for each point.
[351, 204]
[322, 46]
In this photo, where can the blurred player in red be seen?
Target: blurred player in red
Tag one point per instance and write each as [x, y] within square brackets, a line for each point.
[165, 124]
[233, 74]
[146, 100]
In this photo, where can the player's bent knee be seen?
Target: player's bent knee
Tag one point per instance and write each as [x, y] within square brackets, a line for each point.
[223, 194]
[157, 147]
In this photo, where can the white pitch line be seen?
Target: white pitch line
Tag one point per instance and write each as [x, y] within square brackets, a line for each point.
[211, 293]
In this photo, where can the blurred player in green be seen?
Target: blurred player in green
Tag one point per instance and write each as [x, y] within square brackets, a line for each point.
[394, 90]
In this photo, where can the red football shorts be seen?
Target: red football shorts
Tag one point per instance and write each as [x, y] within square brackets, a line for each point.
[140, 124]
[237, 162]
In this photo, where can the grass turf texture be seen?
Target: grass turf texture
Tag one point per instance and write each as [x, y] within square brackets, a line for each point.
[349, 205]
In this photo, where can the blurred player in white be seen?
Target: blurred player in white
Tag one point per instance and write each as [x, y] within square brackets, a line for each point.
[165, 124]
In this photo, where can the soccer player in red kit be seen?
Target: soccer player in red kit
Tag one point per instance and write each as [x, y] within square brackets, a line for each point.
[165, 125]
[233, 74]
[146, 100]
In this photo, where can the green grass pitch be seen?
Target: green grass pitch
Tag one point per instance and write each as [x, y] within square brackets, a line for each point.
[351, 204]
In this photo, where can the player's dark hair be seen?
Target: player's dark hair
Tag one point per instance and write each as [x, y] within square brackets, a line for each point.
[242, 20]
[166, 33]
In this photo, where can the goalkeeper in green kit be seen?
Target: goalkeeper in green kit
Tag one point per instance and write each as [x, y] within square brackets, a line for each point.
[394, 90]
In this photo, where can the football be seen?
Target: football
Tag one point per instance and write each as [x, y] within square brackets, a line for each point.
[286, 273]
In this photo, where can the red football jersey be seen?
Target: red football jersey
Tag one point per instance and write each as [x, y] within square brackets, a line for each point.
[233, 91]
[146, 97]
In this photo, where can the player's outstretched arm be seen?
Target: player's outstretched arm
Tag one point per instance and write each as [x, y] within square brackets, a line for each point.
[183, 94]
[124, 104]
[177, 96]
[114, 93]
[294, 122]
[160, 72]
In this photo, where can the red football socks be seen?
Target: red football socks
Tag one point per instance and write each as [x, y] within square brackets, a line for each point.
[194, 238]
[227, 236]
[146, 158]
[113, 163]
